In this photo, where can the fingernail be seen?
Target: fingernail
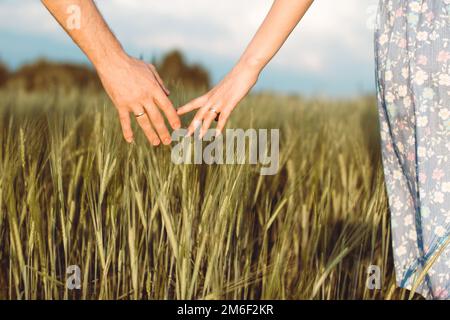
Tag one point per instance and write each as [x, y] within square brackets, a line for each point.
[218, 133]
[176, 126]
[201, 134]
[156, 143]
[196, 124]
[167, 141]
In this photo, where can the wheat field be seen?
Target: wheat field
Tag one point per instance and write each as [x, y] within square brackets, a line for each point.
[72, 192]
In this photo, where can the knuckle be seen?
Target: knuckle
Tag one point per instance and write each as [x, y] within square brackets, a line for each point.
[157, 122]
[165, 106]
[172, 115]
[176, 124]
[126, 128]
[153, 139]
[225, 113]
[152, 136]
[153, 86]
[189, 106]
[146, 126]
[157, 118]
[128, 132]
[208, 103]
[149, 107]
[161, 129]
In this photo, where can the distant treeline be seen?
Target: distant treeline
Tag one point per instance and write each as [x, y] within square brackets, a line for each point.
[44, 75]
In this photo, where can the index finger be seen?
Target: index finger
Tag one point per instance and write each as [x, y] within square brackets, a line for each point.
[192, 105]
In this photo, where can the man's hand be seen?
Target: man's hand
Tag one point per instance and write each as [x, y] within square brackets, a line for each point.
[135, 87]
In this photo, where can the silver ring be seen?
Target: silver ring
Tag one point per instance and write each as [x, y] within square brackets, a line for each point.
[217, 113]
[140, 114]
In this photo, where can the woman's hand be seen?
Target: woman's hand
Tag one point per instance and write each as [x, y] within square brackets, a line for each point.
[222, 99]
[273, 32]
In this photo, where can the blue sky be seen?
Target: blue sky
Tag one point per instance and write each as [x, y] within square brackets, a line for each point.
[330, 52]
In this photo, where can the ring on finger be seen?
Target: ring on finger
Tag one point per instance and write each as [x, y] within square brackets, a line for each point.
[140, 114]
[216, 112]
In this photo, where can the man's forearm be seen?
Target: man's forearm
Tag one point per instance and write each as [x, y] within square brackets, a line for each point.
[133, 85]
[91, 33]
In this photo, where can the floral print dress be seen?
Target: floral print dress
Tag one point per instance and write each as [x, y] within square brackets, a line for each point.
[412, 43]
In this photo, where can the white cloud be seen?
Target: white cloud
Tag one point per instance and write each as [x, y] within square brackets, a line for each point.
[331, 33]
[26, 16]
[227, 26]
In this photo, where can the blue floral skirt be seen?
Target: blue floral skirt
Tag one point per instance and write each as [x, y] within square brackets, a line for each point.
[412, 44]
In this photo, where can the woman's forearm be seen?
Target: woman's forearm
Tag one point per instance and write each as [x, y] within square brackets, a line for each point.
[219, 102]
[277, 26]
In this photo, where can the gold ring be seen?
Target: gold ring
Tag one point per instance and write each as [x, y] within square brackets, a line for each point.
[140, 114]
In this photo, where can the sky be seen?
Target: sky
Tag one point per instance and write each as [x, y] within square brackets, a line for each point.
[329, 53]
